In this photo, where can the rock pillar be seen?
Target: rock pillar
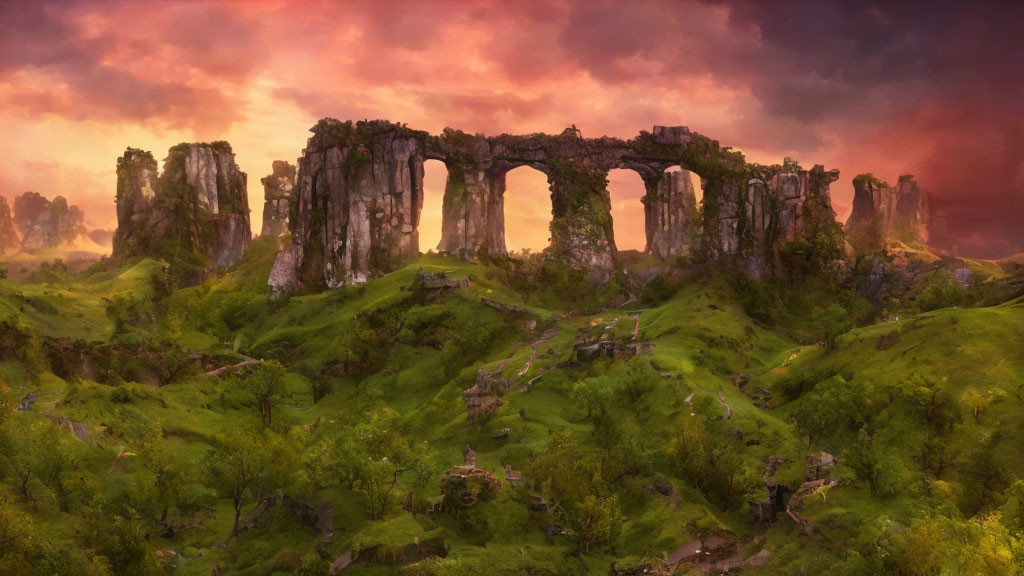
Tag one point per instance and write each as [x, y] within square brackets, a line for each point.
[581, 224]
[670, 210]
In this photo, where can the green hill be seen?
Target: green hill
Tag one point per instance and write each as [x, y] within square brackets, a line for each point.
[187, 430]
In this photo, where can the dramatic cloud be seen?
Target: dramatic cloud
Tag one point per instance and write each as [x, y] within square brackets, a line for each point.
[887, 87]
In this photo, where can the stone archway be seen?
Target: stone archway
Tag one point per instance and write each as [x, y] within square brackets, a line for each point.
[626, 190]
[526, 209]
[435, 177]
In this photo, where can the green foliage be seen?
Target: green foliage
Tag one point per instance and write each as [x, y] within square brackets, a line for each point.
[872, 464]
[833, 322]
[942, 292]
[833, 406]
[265, 383]
[705, 459]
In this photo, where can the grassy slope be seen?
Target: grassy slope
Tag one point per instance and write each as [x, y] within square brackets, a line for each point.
[700, 338]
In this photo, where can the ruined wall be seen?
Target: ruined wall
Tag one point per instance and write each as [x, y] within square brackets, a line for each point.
[196, 211]
[359, 193]
[46, 224]
[883, 214]
[277, 192]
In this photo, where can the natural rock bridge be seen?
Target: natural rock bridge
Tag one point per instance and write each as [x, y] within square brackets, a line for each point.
[359, 194]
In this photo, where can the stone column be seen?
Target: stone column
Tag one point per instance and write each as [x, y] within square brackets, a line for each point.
[472, 219]
[670, 209]
[581, 224]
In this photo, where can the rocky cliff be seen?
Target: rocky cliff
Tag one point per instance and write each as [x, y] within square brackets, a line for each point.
[44, 223]
[9, 241]
[672, 219]
[883, 214]
[277, 191]
[359, 193]
[197, 211]
[357, 203]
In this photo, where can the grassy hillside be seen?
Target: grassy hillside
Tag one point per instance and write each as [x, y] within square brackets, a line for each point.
[212, 428]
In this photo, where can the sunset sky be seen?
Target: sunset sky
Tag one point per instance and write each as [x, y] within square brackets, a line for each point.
[883, 87]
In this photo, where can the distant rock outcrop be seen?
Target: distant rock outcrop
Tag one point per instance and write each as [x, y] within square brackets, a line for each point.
[46, 224]
[883, 214]
[9, 241]
[197, 211]
[102, 236]
[277, 191]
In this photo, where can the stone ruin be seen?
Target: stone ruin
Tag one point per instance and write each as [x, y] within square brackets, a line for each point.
[484, 397]
[359, 194]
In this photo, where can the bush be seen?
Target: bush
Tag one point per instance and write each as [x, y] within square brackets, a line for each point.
[943, 292]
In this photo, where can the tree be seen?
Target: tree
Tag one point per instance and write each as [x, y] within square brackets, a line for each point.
[235, 468]
[832, 322]
[641, 378]
[978, 401]
[833, 405]
[705, 460]
[943, 291]
[166, 467]
[265, 383]
[929, 394]
[593, 396]
[869, 464]
[15, 529]
[595, 521]
[388, 457]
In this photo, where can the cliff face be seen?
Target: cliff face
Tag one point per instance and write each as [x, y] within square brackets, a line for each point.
[9, 241]
[45, 224]
[357, 203]
[197, 210]
[277, 190]
[671, 217]
[883, 214]
[359, 193]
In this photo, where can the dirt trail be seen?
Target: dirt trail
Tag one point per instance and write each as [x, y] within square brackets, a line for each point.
[245, 362]
[547, 335]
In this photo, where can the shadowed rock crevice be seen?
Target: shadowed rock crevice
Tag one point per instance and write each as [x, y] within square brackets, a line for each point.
[277, 193]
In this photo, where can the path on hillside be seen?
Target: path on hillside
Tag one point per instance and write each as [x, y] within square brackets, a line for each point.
[547, 335]
[246, 361]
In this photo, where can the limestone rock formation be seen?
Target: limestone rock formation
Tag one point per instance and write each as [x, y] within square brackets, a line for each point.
[9, 241]
[359, 193]
[883, 214]
[672, 220]
[277, 190]
[197, 211]
[357, 203]
[46, 224]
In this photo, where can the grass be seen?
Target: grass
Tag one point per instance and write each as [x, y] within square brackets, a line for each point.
[698, 341]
